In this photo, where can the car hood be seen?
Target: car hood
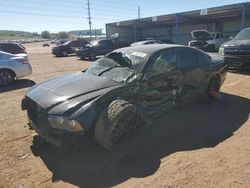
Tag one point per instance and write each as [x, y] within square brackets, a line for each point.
[200, 35]
[237, 44]
[68, 87]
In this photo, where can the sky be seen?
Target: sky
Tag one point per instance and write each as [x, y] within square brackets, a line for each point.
[67, 15]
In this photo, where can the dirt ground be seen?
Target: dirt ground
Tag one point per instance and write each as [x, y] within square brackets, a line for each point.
[202, 145]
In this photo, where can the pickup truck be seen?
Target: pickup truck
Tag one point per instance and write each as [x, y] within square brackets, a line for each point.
[236, 53]
[207, 41]
[99, 47]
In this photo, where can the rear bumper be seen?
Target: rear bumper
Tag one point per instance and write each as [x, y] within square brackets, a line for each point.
[26, 70]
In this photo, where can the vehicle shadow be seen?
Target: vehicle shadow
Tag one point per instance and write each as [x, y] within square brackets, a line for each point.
[18, 84]
[194, 127]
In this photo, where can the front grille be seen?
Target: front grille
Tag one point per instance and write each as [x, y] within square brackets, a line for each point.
[33, 109]
[237, 52]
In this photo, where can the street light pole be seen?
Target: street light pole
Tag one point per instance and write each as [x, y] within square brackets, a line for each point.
[89, 18]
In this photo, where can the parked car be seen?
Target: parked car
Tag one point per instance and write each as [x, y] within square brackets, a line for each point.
[236, 52]
[99, 47]
[68, 47]
[207, 41]
[13, 48]
[119, 90]
[13, 67]
[145, 42]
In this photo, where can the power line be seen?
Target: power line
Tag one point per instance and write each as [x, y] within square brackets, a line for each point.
[35, 14]
[32, 7]
[52, 19]
[119, 5]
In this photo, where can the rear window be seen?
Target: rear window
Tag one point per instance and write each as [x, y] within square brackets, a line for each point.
[11, 48]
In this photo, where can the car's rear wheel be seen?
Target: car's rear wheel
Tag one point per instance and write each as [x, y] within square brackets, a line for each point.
[64, 53]
[116, 123]
[6, 77]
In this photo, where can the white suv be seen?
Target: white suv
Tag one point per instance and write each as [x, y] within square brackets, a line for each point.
[207, 41]
[13, 67]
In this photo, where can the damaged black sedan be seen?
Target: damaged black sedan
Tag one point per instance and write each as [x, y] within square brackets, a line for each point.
[119, 90]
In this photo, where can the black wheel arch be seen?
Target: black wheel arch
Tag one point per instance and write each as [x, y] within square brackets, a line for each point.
[116, 111]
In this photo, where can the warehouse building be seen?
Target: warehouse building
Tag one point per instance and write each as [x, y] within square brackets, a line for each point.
[229, 19]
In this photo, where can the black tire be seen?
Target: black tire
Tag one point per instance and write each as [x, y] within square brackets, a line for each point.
[64, 53]
[116, 123]
[6, 77]
[92, 56]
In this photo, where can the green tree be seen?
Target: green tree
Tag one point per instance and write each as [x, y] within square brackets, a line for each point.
[35, 34]
[45, 35]
[62, 35]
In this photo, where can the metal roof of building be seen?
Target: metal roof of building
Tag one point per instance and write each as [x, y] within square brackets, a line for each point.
[226, 12]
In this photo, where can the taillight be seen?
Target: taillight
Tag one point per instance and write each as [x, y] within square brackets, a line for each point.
[23, 61]
[23, 50]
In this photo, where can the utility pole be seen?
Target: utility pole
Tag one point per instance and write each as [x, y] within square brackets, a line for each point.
[89, 18]
[139, 12]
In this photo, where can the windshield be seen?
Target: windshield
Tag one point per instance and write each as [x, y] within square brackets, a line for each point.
[243, 35]
[118, 66]
[66, 43]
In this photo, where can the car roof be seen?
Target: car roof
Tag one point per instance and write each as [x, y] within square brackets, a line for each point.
[148, 49]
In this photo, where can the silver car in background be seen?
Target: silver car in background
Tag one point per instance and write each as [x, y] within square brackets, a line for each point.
[13, 67]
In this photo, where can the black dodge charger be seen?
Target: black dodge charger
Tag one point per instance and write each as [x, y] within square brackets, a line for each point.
[116, 92]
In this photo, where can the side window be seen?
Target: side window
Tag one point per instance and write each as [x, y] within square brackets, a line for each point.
[4, 47]
[105, 43]
[222, 35]
[190, 58]
[102, 43]
[82, 43]
[187, 58]
[164, 62]
[1, 47]
[74, 44]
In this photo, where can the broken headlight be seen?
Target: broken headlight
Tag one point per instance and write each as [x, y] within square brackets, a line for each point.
[64, 123]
